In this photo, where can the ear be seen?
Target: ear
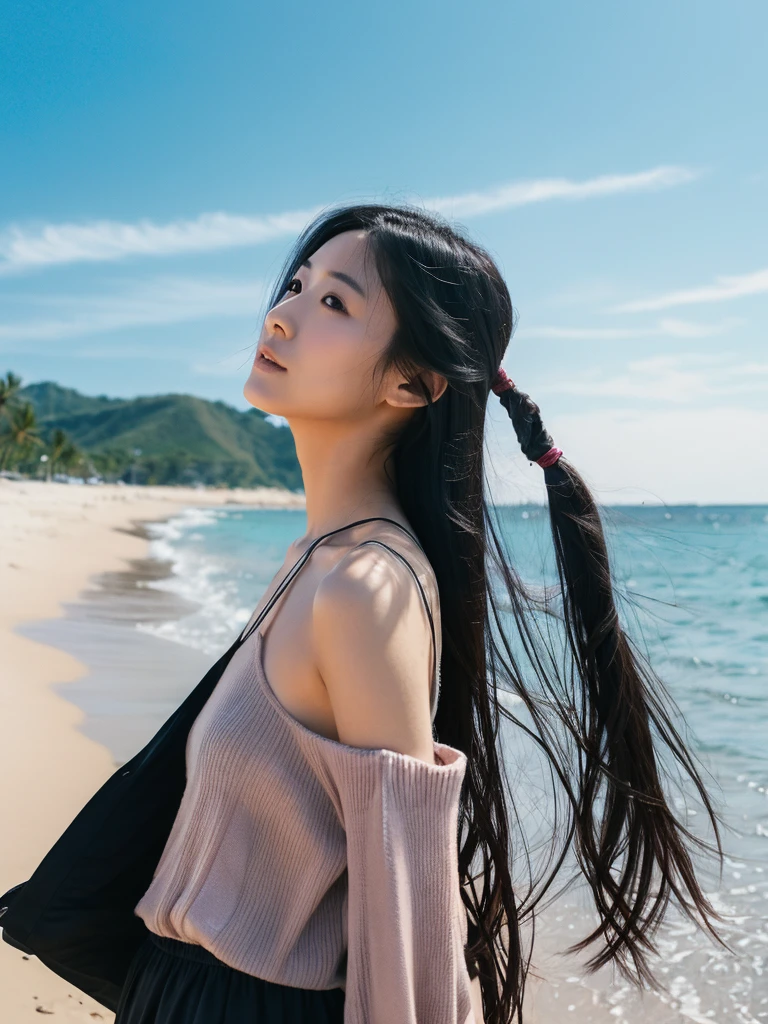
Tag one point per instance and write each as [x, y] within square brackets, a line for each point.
[409, 394]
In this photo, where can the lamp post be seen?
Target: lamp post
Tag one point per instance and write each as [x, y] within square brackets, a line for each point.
[136, 454]
[44, 459]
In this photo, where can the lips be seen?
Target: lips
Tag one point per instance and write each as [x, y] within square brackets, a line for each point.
[268, 356]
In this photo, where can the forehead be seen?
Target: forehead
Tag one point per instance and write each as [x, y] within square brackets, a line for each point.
[347, 251]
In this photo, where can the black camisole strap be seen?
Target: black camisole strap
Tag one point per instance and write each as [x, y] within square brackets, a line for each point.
[435, 685]
[299, 563]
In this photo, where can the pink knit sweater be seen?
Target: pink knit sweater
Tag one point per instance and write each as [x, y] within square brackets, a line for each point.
[311, 863]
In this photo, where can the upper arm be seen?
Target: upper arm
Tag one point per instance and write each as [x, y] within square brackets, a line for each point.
[373, 649]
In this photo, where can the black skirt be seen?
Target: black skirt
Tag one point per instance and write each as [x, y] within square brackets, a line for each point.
[174, 982]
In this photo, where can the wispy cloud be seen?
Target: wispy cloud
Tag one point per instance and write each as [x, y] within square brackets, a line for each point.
[165, 300]
[24, 248]
[680, 378]
[724, 289]
[669, 328]
[544, 189]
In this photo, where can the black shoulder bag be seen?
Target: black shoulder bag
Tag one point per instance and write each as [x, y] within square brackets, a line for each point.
[75, 914]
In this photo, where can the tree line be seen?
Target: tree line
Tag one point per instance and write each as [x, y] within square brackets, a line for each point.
[29, 448]
[24, 447]
[34, 446]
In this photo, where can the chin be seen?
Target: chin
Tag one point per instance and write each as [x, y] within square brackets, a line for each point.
[256, 396]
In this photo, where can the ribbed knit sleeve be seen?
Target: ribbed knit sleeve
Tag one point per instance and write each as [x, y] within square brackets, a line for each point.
[406, 920]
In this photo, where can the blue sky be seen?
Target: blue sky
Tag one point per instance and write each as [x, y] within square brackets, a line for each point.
[158, 159]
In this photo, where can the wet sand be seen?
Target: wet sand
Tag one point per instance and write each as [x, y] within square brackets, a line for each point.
[134, 681]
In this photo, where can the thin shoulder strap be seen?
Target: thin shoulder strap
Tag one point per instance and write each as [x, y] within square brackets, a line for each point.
[301, 560]
[299, 564]
[435, 684]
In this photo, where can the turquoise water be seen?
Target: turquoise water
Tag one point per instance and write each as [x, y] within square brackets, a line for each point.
[692, 590]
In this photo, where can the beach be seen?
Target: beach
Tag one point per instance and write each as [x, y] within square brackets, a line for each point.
[53, 539]
[114, 599]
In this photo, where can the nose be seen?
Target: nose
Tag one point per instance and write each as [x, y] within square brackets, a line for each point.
[278, 322]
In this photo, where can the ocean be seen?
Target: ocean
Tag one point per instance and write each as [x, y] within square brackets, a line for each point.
[692, 591]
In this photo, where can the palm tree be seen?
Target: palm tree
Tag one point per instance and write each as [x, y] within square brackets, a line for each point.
[21, 437]
[61, 452]
[9, 389]
[71, 456]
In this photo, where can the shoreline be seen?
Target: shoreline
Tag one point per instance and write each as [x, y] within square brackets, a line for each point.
[54, 538]
[135, 679]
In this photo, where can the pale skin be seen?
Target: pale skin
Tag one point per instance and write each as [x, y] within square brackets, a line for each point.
[350, 649]
[350, 652]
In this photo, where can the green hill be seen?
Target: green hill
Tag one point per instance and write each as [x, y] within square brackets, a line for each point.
[182, 439]
[51, 400]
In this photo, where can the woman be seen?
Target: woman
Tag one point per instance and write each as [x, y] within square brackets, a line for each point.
[337, 815]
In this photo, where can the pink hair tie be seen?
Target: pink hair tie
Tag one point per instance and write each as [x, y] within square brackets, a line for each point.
[501, 382]
[549, 457]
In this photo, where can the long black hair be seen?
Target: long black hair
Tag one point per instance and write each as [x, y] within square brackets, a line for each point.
[603, 720]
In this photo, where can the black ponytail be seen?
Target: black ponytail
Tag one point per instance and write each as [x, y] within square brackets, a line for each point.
[629, 844]
[601, 721]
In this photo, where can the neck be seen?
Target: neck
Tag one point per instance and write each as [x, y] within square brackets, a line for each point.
[343, 480]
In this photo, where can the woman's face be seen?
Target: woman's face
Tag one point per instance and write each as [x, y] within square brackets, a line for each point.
[328, 330]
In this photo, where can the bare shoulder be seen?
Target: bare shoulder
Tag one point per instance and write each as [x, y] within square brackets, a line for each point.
[373, 648]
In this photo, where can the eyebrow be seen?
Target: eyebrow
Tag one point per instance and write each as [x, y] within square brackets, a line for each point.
[342, 277]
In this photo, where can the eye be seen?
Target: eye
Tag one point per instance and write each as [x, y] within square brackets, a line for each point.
[340, 308]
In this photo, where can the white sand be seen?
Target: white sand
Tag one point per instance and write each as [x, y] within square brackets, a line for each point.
[53, 537]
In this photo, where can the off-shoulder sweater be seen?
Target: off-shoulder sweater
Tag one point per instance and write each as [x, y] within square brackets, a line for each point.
[311, 863]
